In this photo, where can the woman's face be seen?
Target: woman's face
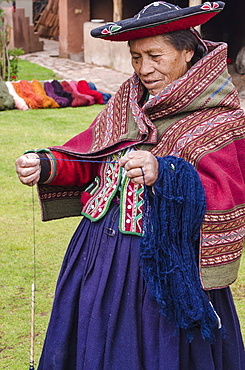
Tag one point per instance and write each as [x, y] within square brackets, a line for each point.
[157, 62]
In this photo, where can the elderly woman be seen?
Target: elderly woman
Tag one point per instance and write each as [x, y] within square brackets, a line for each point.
[159, 179]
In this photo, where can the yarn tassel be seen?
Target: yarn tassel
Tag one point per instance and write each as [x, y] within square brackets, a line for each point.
[169, 247]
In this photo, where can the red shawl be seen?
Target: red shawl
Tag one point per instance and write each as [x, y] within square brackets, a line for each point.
[198, 118]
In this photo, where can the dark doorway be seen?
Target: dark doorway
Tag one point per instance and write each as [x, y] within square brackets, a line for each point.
[228, 26]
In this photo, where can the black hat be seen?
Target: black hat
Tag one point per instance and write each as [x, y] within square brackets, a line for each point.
[158, 18]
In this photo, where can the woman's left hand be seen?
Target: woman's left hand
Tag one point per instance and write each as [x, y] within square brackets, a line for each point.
[140, 162]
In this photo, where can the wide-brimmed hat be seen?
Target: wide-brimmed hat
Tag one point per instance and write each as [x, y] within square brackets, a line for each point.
[158, 18]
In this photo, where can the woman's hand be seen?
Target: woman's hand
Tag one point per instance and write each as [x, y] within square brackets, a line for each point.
[140, 162]
[28, 168]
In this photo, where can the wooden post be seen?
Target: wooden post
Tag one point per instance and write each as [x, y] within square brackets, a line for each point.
[117, 10]
[72, 15]
[195, 2]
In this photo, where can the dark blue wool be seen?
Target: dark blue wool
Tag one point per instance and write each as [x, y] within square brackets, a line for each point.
[169, 247]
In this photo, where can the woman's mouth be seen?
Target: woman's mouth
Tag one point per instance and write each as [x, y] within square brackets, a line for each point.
[149, 84]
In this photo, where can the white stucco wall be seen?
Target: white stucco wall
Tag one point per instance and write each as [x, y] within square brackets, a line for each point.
[104, 53]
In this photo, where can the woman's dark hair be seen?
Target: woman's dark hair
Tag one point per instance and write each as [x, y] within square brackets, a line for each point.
[186, 39]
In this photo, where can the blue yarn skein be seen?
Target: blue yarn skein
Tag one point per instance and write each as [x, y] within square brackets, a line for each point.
[168, 249]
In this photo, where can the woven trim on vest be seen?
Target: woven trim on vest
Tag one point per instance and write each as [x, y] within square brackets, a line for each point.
[110, 177]
[131, 203]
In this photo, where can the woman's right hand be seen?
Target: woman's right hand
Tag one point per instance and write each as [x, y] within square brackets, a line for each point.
[28, 168]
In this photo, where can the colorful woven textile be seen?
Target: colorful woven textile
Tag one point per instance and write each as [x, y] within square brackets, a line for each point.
[197, 118]
[106, 96]
[25, 91]
[78, 100]
[59, 91]
[48, 102]
[53, 94]
[18, 101]
[49, 89]
[6, 99]
[90, 98]
[83, 88]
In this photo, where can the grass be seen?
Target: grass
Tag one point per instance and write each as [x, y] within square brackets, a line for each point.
[20, 131]
[28, 71]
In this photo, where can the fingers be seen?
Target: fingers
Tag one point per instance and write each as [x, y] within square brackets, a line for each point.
[126, 158]
[136, 175]
[141, 167]
[28, 168]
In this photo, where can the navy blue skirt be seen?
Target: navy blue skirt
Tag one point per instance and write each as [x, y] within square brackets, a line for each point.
[104, 317]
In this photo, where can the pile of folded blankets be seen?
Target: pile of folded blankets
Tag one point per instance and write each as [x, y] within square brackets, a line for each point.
[25, 95]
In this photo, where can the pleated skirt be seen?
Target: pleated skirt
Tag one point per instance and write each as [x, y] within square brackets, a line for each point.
[104, 317]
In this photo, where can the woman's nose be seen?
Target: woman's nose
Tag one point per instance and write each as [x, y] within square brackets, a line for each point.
[146, 66]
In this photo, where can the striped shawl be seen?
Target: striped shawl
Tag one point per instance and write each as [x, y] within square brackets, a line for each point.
[197, 118]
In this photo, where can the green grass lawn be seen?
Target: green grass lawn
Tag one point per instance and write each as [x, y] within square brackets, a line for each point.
[20, 131]
[29, 71]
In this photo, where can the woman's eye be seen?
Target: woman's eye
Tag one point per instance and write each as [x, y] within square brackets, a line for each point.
[155, 56]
